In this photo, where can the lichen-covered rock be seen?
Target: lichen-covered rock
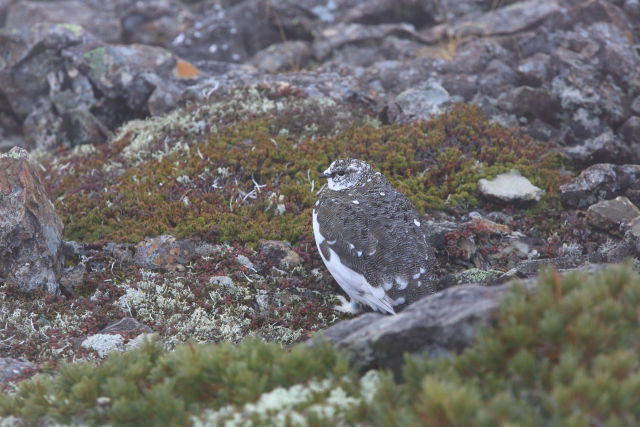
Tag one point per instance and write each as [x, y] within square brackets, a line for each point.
[343, 34]
[164, 253]
[30, 230]
[421, 103]
[600, 182]
[507, 20]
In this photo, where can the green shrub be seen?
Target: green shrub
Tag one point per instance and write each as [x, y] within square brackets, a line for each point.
[567, 354]
[149, 386]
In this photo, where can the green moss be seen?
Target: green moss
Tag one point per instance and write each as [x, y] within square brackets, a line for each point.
[97, 62]
[75, 29]
[566, 354]
[228, 180]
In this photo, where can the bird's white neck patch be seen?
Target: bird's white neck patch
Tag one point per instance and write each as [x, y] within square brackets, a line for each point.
[338, 186]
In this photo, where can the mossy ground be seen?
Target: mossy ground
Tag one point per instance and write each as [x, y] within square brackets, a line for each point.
[179, 306]
[566, 354]
[256, 177]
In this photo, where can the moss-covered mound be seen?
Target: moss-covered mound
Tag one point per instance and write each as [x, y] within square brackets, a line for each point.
[247, 168]
[567, 354]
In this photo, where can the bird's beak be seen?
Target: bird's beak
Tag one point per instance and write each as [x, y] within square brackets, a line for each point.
[324, 175]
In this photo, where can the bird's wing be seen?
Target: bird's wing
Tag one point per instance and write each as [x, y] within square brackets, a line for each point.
[344, 241]
[345, 229]
[383, 241]
[405, 260]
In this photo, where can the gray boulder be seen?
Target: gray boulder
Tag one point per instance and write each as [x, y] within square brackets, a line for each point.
[439, 325]
[30, 230]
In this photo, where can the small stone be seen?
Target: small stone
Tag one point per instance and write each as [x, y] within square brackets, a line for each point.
[222, 281]
[207, 249]
[526, 100]
[123, 252]
[75, 15]
[286, 56]
[73, 249]
[611, 214]
[103, 402]
[604, 148]
[126, 325]
[73, 277]
[245, 262]
[496, 78]
[165, 253]
[529, 268]
[517, 17]
[510, 187]
[536, 69]
[263, 301]
[422, 102]
[279, 252]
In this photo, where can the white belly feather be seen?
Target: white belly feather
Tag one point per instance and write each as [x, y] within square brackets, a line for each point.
[353, 283]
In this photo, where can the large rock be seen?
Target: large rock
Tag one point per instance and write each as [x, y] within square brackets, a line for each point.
[438, 325]
[604, 148]
[343, 34]
[101, 21]
[517, 17]
[30, 230]
[61, 85]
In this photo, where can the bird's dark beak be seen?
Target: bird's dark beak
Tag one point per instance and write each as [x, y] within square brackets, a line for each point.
[324, 175]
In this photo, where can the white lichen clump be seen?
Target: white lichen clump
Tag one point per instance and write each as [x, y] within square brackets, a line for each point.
[324, 399]
[158, 299]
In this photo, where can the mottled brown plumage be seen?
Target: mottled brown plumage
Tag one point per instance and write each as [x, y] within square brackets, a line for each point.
[373, 230]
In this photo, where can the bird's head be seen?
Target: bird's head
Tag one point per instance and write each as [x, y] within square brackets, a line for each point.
[343, 174]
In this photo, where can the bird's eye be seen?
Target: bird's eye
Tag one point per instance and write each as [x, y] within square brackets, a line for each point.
[340, 173]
